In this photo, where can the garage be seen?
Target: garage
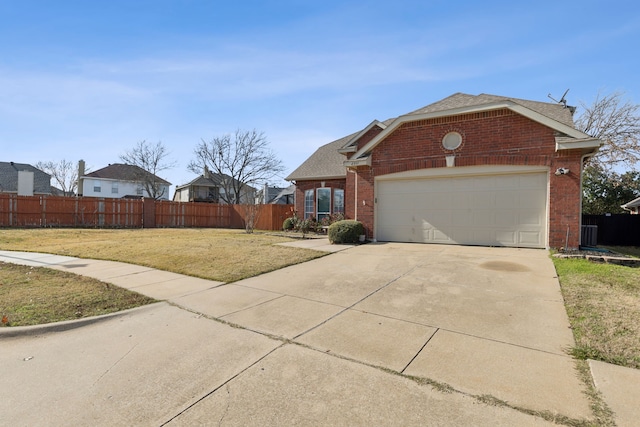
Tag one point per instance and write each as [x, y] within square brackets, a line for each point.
[469, 207]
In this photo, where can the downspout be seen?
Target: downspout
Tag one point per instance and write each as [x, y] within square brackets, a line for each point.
[355, 197]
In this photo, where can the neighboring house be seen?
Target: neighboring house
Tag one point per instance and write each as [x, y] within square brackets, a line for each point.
[632, 206]
[285, 197]
[209, 187]
[275, 195]
[119, 180]
[23, 179]
[477, 170]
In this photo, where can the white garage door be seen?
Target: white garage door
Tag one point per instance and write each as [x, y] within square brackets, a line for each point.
[488, 210]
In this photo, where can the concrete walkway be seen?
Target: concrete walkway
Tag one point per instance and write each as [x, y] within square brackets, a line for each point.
[380, 334]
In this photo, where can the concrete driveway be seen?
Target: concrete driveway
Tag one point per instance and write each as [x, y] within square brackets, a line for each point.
[379, 334]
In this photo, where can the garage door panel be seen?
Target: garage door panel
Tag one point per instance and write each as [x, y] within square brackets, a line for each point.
[506, 218]
[531, 218]
[532, 238]
[441, 236]
[506, 237]
[507, 210]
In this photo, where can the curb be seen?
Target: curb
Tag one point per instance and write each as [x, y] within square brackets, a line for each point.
[66, 325]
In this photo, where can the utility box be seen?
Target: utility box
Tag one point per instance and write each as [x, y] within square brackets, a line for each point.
[589, 236]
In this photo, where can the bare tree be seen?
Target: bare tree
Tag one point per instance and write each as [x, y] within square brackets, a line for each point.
[151, 159]
[241, 161]
[616, 121]
[64, 173]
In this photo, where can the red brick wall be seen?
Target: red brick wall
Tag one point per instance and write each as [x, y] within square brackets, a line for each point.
[499, 137]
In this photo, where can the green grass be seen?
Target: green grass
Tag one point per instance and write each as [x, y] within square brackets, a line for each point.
[32, 296]
[603, 305]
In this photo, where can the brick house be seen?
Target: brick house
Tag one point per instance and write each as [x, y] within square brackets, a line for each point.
[477, 170]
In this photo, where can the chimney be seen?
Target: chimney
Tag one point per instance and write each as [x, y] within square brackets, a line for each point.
[81, 167]
[206, 173]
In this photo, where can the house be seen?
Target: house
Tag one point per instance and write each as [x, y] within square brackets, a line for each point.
[209, 187]
[285, 196]
[469, 169]
[275, 195]
[119, 180]
[23, 179]
[632, 206]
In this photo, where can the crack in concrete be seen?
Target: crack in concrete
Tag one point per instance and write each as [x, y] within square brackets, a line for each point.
[114, 365]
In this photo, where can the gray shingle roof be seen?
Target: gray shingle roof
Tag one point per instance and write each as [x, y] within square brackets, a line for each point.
[555, 112]
[9, 178]
[122, 172]
[325, 163]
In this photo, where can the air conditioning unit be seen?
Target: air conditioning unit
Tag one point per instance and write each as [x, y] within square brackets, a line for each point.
[589, 236]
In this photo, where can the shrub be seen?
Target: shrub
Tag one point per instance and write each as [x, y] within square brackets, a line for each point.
[306, 225]
[288, 224]
[346, 231]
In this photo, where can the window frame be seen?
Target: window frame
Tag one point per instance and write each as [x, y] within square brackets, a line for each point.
[327, 212]
[338, 208]
[309, 206]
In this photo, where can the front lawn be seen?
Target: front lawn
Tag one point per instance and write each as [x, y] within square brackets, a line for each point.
[217, 254]
[33, 296]
[603, 304]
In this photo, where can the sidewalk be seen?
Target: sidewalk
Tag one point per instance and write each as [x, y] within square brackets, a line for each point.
[297, 359]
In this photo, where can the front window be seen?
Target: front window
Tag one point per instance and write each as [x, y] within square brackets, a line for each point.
[114, 188]
[338, 201]
[139, 190]
[97, 186]
[308, 204]
[324, 202]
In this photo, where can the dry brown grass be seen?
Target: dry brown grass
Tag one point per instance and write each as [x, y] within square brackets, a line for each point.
[603, 304]
[216, 254]
[32, 296]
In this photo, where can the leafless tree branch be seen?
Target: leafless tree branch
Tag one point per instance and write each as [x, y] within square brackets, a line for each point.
[152, 158]
[63, 172]
[241, 160]
[615, 121]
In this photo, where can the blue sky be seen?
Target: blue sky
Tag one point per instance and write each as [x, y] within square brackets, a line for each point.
[89, 79]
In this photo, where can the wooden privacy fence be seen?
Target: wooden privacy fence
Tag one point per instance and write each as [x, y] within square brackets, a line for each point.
[52, 211]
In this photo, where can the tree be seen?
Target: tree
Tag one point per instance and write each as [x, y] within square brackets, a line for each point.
[64, 173]
[152, 159]
[605, 191]
[615, 121]
[241, 161]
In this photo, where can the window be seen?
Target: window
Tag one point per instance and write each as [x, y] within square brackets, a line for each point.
[97, 186]
[452, 140]
[338, 201]
[324, 203]
[139, 190]
[308, 204]
[114, 188]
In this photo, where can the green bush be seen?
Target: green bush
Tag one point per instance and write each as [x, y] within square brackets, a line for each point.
[288, 224]
[346, 231]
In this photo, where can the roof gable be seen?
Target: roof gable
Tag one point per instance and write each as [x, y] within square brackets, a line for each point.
[9, 177]
[122, 172]
[554, 116]
[556, 112]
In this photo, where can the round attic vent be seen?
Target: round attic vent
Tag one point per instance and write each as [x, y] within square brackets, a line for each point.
[452, 140]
